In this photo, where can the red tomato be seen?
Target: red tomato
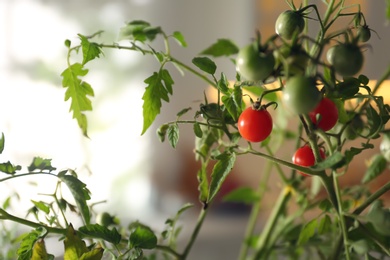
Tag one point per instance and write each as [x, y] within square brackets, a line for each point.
[255, 125]
[304, 156]
[328, 114]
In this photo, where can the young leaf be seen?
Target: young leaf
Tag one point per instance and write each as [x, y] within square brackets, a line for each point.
[39, 251]
[9, 168]
[142, 237]
[2, 141]
[205, 64]
[223, 47]
[80, 194]
[307, 231]
[78, 91]
[173, 134]
[180, 38]
[243, 195]
[41, 206]
[139, 31]
[183, 111]
[220, 171]
[159, 85]
[75, 247]
[198, 130]
[39, 163]
[377, 166]
[98, 231]
[91, 50]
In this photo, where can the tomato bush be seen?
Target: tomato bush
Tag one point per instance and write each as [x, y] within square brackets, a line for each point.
[304, 156]
[325, 115]
[255, 125]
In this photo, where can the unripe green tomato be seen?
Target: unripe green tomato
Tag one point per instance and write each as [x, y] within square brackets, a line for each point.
[300, 94]
[104, 219]
[330, 54]
[254, 65]
[289, 23]
[347, 59]
[364, 33]
[295, 59]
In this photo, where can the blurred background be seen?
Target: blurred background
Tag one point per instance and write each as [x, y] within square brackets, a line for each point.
[137, 176]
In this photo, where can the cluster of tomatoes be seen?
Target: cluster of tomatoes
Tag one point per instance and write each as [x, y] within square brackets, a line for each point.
[300, 92]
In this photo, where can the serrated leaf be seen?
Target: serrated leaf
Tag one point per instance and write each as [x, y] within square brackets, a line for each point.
[334, 161]
[198, 130]
[376, 167]
[242, 195]
[2, 142]
[26, 246]
[9, 168]
[223, 84]
[98, 231]
[173, 134]
[205, 64]
[94, 254]
[220, 171]
[167, 79]
[139, 30]
[154, 93]
[39, 163]
[180, 38]
[223, 47]
[91, 50]
[203, 145]
[75, 247]
[307, 231]
[41, 206]
[39, 251]
[80, 193]
[142, 237]
[231, 106]
[78, 91]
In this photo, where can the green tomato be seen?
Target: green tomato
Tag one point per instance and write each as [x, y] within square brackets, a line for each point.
[301, 95]
[289, 23]
[347, 59]
[363, 33]
[254, 65]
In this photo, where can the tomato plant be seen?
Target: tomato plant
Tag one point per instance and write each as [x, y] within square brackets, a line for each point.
[253, 63]
[325, 115]
[255, 125]
[289, 23]
[304, 156]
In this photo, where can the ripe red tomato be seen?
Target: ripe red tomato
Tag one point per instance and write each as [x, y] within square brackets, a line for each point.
[328, 114]
[304, 156]
[255, 125]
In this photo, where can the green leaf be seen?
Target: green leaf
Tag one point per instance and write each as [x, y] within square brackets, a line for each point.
[388, 9]
[173, 134]
[203, 183]
[159, 85]
[307, 231]
[2, 141]
[139, 31]
[39, 251]
[374, 121]
[80, 193]
[180, 38]
[39, 163]
[162, 132]
[220, 171]
[223, 47]
[377, 166]
[26, 246]
[203, 145]
[347, 88]
[142, 237]
[205, 64]
[78, 91]
[91, 50]
[243, 195]
[256, 90]
[324, 225]
[9, 168]
[101, 232]
[41, 206]
[334, 161]
[183, 111]
[231, 106]
[198, 130]
[75, 247]
[94, 254]
[223, 84]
